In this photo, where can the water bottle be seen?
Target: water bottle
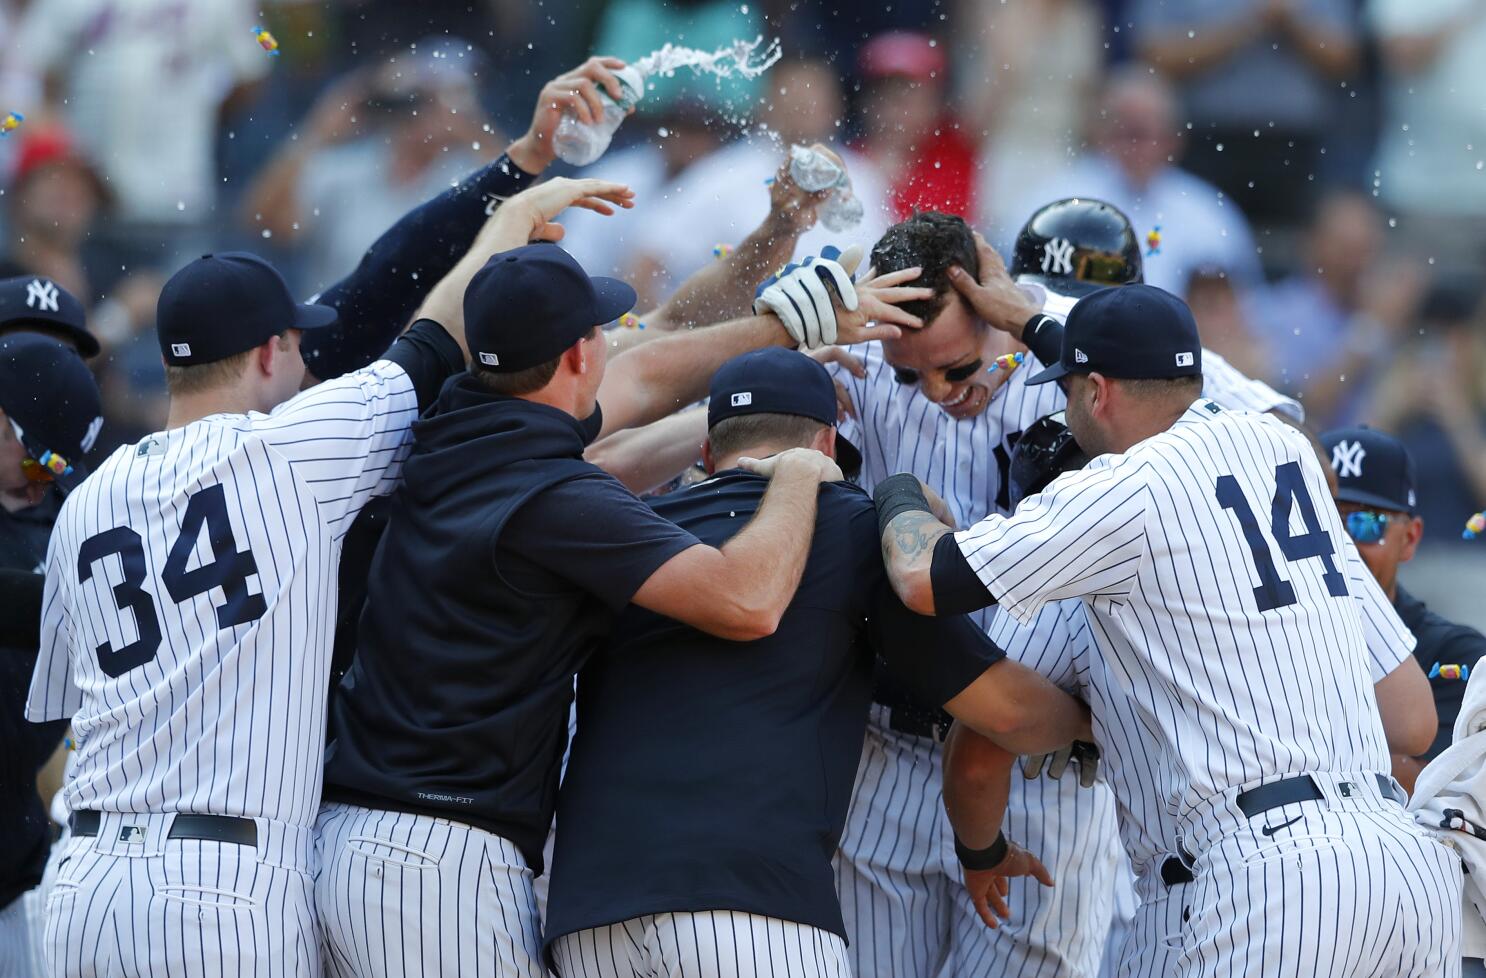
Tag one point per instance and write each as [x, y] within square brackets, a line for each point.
[580, 143]
[842, 211]
[813, 172]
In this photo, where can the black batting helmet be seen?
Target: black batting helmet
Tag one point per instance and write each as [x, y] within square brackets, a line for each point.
[1077, 245]
[1045, 451]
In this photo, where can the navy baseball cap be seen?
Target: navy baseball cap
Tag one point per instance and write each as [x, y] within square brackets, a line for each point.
[1132, 332]
[49, 395]
[220, 305]
[529, 304]
[1372, 469]
[775, 380]
[38, 302]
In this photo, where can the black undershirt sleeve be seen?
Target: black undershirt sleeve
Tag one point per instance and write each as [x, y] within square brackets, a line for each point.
[957, 589]
[1043, 335]
[430, 356]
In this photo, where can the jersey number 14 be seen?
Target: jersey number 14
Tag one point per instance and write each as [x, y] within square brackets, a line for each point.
[230, 568]
[1273, 590]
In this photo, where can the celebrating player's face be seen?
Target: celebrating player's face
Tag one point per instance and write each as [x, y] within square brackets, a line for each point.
[950, 359]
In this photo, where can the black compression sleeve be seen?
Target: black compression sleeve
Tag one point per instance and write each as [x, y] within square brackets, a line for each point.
[957, 589]
[1043, 335]
[376, 300]
[897, 494]
[430, 356]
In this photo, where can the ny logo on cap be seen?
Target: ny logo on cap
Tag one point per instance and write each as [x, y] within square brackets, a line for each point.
[91, 435]
[41, 296]
[742, 399]
[490, 359]
[180, 349]
[1079, 356]
[1184, 359]
[1346, 459]
[1057, 257]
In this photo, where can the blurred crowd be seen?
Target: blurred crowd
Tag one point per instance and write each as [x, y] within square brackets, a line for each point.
[1307, 173]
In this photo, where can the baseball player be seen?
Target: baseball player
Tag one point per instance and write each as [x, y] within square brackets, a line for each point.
[936, 402]
[1275, 756]
[49, 416]
[1059, 645]
[709, 780]
[194, 669]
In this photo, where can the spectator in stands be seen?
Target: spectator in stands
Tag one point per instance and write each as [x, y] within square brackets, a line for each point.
[375, 145]
[54, 197]
[142, 86]
[1222, 320]
[1259, 79]
[1027, 84]
[919, 150]
[1434, 132]
[1330, 329]
[1136, 137]
[722, 198]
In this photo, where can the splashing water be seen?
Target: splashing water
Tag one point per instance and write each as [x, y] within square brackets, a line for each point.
[740, 59]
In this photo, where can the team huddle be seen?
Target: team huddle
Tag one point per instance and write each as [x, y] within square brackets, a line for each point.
[995, 628]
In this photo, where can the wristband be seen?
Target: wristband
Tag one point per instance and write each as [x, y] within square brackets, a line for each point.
[982, 859]
[1043, 335]
[901, 493]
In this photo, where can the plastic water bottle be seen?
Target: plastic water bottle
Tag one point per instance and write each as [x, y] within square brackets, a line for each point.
[580, 143]
[813, 172]
[842, 211]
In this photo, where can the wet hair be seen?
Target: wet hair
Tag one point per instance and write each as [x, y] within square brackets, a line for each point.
[764, 429]
[934, 242]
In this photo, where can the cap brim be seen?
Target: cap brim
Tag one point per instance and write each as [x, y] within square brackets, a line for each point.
[615, 298]
[847, 457]
[67, 482]
[1049, 374]
[1345, 495]
[311, 316]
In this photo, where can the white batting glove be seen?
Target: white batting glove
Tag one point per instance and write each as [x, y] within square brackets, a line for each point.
[801, 297]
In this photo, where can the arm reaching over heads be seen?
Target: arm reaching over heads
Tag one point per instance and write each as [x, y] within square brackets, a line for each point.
[644, 458]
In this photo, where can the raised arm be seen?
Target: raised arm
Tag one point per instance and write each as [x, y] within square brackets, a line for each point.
[644, 458]
[741, 590]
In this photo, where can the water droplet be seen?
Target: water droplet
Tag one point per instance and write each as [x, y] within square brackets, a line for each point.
[1393, 222]
[743, 9]
[475, 146]
[662, 132]
[180, 205]
[1191, 33]
[267, 233]
[1220, 147]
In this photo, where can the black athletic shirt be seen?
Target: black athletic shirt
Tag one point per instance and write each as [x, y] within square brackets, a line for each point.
[1440, 643]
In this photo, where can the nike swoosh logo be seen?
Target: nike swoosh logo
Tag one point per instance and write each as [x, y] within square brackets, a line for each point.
[1272, 829]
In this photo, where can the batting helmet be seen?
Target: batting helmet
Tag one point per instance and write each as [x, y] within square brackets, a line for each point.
[1045, 451]
[1077, 245]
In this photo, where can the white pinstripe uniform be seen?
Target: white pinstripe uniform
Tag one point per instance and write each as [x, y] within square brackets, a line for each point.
[724, 943]
[186, 630]
[1060, 645]
[1240, 686]
[906, 909]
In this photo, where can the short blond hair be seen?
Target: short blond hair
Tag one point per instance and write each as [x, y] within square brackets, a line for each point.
[200, 377]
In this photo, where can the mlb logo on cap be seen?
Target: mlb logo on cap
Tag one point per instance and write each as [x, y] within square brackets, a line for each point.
[1184, 359]
[180, 349]
[742, 398]
[490, 359]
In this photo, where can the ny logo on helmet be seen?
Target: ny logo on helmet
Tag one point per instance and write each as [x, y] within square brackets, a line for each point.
[1346, 459]
[1057, 257]
[41, 296]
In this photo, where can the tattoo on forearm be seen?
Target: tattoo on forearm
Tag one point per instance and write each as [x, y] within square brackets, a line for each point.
[910, 538]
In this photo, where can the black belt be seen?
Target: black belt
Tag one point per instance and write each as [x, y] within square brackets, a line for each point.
[918, 721]
[206, 828]
[1174, 872]
[1303, 787]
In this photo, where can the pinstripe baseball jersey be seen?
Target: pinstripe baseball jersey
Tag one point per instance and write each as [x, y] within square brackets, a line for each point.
[1164, 544]
[1059, 644]
[190, 601]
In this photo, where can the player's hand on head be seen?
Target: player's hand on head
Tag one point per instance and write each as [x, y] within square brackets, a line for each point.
[534, 209]
[577, 91]
[879, 298]
[995, 297]
[989, 888]
[820, 305]
[802, 461]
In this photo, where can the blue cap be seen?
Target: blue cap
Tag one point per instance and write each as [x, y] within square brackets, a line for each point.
[1372, 469]
[1132, 332]
[37, 302]
[529, 304]
[50, 395]
[779, 381]
[221, 305]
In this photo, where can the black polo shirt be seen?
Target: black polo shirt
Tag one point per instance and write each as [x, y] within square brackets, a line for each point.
[1442, 643]
[715, 775]
[504, 560]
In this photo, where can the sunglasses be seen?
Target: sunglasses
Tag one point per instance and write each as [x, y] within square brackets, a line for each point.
[954, 375]
[1367, 526]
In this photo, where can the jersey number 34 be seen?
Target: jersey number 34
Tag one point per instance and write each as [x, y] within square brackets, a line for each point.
[230, 568]
[1289, 490]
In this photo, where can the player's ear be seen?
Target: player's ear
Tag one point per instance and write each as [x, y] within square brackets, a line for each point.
[1415, 532]
[707, 459]
[825, 441]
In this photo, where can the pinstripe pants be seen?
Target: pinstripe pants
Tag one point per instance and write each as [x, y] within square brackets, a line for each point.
[1153, 940]
[902, 894]
[707, 944]
[412, 895]
[1344, 893]
[16, 943]
[126, 904]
